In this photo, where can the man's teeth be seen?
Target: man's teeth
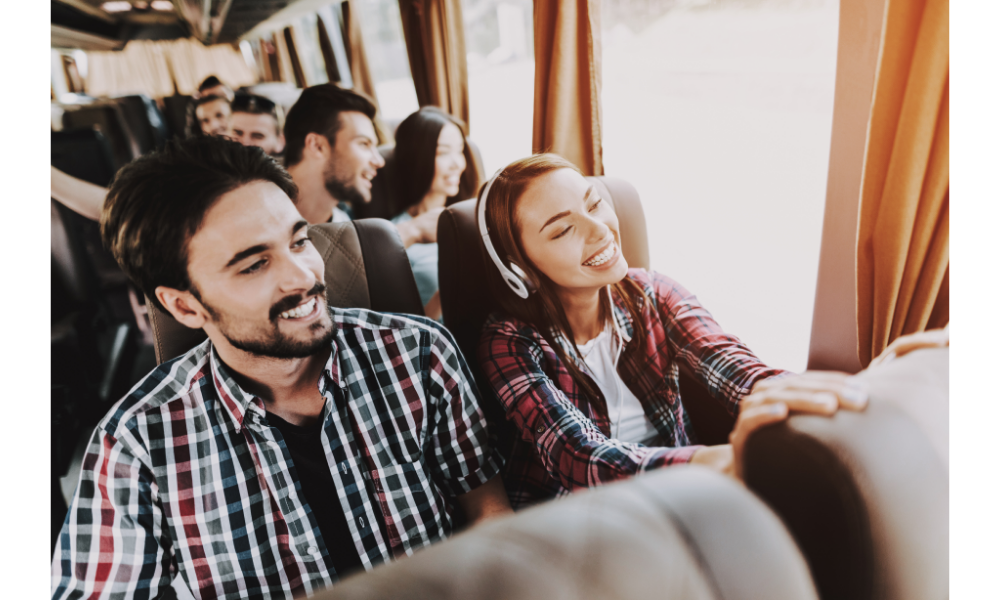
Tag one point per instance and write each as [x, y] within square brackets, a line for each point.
[299, 312]
[601, 258]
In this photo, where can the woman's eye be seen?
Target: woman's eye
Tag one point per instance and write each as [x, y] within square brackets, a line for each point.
[596, 204]
[563, 232]
[254, 267]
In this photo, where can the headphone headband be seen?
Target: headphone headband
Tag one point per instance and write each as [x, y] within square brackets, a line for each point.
[515, 277]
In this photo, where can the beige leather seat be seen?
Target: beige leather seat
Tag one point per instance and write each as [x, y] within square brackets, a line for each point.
[866, 494]
[366, 267]
[685, 533]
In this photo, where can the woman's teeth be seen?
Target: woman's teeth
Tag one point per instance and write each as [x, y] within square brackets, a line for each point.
[601, 258]
[299, 312]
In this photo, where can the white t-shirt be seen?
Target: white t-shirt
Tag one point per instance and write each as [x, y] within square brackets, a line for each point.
[599, 354]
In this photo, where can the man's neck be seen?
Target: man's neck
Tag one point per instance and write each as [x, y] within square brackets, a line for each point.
[314, 202]
[288, 387]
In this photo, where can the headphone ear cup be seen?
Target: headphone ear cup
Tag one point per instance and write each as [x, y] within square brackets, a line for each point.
[529, 283]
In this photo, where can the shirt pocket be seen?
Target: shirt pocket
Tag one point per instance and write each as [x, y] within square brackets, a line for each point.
[411, 506]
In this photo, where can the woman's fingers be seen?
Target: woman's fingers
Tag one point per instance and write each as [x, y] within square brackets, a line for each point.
[814, 389]
[934, 338]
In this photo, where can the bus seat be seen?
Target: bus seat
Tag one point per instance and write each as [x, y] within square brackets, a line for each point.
[866, 494]
[109, 118]
[366, 267]
[176, 113]
[683, 532]
[145, 121]
[385, 192]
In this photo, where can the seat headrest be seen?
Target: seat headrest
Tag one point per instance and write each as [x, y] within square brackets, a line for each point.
[365, 267]
[866, 494]
[681, 532]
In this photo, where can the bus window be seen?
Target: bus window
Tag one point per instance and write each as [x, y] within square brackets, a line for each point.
[500, 56]
[720, 114]
[385, 47]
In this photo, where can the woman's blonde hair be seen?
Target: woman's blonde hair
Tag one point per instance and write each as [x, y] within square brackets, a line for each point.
[542, 309]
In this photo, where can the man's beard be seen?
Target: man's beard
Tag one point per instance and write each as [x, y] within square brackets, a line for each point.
[342, 190]
[274, 344]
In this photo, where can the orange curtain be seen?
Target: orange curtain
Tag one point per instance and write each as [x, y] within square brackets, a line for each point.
[361, 75]
[567, 117]
[903, 226]
[435, 45]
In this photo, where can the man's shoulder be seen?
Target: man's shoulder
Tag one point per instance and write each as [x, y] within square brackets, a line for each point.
[169, 382]
[348, 319]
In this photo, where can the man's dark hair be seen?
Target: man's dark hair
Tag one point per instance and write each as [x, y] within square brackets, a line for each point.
[158, 201]
[210, 82]
[258, 105]
[207, 99]
[318, 111]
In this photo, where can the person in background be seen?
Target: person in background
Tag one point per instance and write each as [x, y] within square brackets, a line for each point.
[430, 154]
[248, 465]
[331, 151]
[213, 86]
[83, 197]
[212, 114]
[257, 121]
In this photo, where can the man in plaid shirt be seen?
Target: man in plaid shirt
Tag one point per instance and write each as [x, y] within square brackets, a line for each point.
[298, 442]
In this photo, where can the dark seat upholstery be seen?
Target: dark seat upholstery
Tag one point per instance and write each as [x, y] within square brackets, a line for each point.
[145, 122]
[366, 267]
[178, 115]
[866, 494]
[683, 532]
[109, 119]
[385, 193]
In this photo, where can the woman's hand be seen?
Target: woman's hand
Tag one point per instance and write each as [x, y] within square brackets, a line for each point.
[932, 338]
[813, 392]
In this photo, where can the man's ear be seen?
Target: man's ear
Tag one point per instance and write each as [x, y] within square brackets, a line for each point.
[182, 306]
[317, 145]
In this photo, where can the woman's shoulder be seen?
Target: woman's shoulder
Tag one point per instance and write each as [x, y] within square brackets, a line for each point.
[501, 324]
[657, 286]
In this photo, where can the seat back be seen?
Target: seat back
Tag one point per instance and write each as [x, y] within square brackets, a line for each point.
[866, 494]
[385, 202]
[178, 115]
[145, 122]
[366, 267]
[682, 532]
[109, 119]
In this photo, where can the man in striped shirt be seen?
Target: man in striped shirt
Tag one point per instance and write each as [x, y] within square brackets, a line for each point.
[299, 442]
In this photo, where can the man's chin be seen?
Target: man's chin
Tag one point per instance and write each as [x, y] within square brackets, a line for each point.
[286, 348]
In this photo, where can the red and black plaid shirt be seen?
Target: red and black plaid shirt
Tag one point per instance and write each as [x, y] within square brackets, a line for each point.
[563, 442]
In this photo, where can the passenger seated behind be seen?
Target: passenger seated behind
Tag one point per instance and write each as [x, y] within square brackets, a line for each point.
[585, 355]
[331, 151]
[212, 114]
[430, 152]
[213, 86]
[284, 451]
[257, 121]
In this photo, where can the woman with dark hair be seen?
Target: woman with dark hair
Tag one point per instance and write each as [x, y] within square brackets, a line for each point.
[585, 356]
[431, 157]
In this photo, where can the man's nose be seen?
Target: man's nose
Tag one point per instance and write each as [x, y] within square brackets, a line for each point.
[296, 275]
[377, 159]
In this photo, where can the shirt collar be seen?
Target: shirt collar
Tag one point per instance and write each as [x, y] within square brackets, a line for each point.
[238, 402]
[622, 325]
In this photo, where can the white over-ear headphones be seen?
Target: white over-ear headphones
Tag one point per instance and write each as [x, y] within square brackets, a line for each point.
[515, 277]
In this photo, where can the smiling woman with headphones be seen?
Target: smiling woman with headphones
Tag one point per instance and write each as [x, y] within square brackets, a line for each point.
[585, 355]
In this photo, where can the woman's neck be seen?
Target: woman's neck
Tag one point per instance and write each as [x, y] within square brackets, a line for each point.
[429, 202]
[583, 312]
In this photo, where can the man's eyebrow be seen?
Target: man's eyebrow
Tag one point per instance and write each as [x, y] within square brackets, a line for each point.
[245, 253]
[262, 247]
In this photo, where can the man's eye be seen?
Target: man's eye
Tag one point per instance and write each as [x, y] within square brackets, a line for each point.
[563, 232]
[254, 267]
[300, 243]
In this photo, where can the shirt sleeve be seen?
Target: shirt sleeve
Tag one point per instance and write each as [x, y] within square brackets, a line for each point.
[464, 457]
[111, 543]
[721, 362]
[572, 448]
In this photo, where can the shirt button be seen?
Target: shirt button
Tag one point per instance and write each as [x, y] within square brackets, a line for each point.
[540, 429]
[361, 522]
[312, 550]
